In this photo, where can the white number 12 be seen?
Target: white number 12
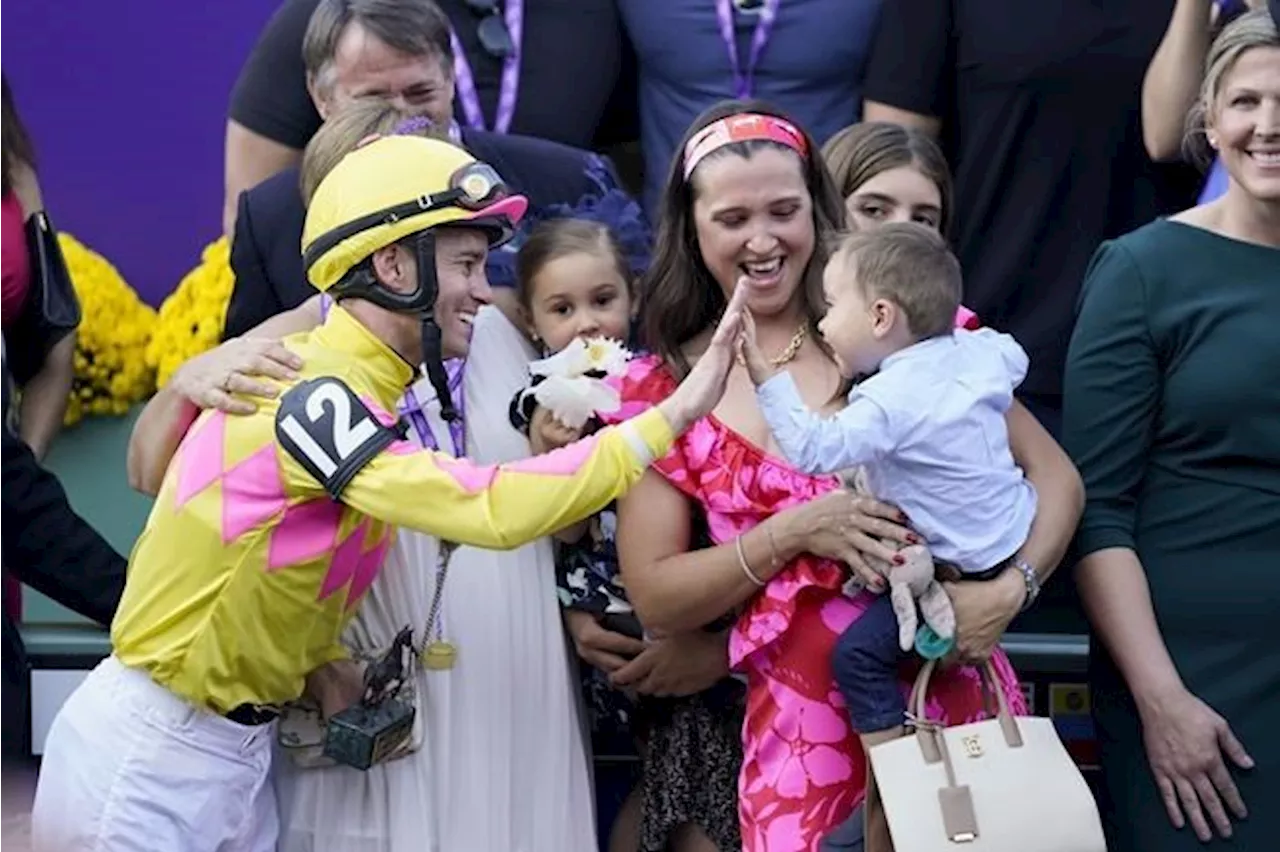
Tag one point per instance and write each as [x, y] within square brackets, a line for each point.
[347, 436]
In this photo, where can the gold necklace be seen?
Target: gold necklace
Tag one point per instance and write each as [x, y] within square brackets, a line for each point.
[793, 348]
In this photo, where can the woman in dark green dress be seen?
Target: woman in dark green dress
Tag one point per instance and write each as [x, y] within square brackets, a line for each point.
[1172, 414]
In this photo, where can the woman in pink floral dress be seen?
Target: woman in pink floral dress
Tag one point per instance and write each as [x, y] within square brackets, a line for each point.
[749, 203]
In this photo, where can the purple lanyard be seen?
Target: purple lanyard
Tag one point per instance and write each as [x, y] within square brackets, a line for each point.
[411, 407]
[744, 81]
[513, 14]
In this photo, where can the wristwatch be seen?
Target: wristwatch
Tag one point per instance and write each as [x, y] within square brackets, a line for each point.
[1031, 579]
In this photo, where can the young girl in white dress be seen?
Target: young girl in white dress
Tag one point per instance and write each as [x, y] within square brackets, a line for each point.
[574, 286]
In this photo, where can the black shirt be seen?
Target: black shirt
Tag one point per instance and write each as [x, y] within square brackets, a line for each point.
[573, 60]
[51, 548]
[1040, 106]
[270, 96]
[46, 544]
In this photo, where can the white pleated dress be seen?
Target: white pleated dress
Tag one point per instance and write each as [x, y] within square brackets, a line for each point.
[503, 766]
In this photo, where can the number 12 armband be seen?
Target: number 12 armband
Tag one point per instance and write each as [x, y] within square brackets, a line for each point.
[325, 427]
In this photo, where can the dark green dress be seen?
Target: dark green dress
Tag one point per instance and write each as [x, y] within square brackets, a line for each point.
[1172, 414]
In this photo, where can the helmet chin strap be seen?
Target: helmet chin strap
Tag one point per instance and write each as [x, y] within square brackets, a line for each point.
[432, 337]
[421, 302]
[433, 359]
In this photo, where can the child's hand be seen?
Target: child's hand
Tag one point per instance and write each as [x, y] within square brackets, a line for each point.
[758, 367]
[546, 433]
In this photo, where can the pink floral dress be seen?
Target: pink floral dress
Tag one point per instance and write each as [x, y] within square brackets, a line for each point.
[803, 769]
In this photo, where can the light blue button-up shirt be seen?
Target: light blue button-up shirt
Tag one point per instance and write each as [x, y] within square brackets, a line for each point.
[929, 428]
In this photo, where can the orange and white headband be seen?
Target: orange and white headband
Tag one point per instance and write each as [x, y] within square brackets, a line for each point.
[744, 127]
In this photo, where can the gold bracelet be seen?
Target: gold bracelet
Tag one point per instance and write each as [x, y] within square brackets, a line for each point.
[742, 561]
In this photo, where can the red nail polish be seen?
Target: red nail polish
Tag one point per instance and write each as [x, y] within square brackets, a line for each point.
[899, 559]
[913, 538]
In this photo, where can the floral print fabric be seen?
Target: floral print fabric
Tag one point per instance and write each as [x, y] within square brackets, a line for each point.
[803, 768]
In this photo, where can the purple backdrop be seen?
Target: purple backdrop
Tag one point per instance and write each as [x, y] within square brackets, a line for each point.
[127, 106]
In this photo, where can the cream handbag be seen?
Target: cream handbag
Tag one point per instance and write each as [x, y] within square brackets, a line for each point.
[1001, 785]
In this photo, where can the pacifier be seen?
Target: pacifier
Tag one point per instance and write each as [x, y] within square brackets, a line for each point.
[930, 645]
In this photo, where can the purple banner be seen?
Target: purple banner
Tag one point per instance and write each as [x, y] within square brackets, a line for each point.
[126, 104]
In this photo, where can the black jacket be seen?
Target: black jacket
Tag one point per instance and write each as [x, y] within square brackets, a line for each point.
[52, 549]
[266, 250]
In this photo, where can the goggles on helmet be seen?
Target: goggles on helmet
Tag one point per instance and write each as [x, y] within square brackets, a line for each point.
[473, 187]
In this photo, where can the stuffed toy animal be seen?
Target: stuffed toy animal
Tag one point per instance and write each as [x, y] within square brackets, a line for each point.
[914, 581]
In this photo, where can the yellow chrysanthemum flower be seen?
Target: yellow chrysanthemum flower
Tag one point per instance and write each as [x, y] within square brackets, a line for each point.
[111, 372]
[191, 319]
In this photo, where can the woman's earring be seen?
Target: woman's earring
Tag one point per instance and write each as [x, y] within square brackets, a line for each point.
[1213, 141]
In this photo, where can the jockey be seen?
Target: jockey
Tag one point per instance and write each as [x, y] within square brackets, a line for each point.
[269, 527]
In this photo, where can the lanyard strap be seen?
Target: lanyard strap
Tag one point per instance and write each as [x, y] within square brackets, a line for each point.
[744, 79]
[411, 407]
[434, 630]
[464, 79]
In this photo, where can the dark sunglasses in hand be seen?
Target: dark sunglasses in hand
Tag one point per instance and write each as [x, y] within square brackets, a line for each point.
[495, 38]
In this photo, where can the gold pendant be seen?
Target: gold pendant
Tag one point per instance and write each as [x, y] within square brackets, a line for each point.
[439, 655]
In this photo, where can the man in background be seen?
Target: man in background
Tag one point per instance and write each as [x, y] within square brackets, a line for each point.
[547, 68]
[268, 222]
[1037, 107]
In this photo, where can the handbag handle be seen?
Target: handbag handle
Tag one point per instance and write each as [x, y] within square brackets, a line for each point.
[916, 704]
[959, 818]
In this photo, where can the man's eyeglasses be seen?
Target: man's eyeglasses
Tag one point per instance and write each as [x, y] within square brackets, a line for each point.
[495, 38]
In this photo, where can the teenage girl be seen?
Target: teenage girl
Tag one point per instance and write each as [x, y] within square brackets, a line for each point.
[573, 281]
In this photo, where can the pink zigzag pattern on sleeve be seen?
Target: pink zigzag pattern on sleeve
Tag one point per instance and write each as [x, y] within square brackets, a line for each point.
[400, 447]
[473, 478]
[383, 416]
[565, 461]
[403, 448]
[470, 477]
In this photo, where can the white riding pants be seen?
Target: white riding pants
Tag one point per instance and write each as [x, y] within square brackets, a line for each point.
[131, 767]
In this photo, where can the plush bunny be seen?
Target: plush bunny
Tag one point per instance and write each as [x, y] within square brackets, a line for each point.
[914, 580]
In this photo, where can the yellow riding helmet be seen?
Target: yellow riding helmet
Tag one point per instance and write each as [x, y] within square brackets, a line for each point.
[394, 186]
